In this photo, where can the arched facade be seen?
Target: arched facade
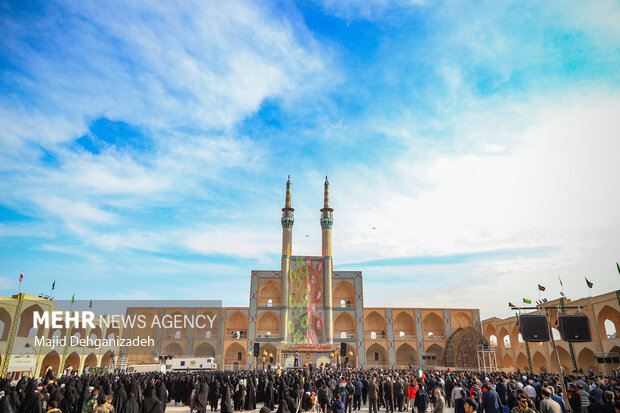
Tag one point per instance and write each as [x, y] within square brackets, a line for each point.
[268, 325]
[375, 323]
[270, 290]
[344, 292]
[611, 315]
[406, 355]
[235, 356]
[204, 350]
[344, 325]
[376, 356]
[437, 351]
[404, 327]
[237, 326]
[433, 327]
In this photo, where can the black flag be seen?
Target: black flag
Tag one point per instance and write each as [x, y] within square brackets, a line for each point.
[590, 285]
[91, 303]
[53, 285]
[541, 288]
[511, 305]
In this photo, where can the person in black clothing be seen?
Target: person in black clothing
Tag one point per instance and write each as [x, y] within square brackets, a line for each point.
[364, 390]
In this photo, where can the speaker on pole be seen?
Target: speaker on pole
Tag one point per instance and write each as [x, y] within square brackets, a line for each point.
[343, 349]
[534, 327]
[574, 328]
[256, 349]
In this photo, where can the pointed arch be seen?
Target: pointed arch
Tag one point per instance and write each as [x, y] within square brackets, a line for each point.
[507, 362]
[173, 349]
[539, 362]
[237, 325]
[404, 326]
[461, 320]
[268, 324]
[51, 361]
[504, 338]
[522, 363]
[204, 350]
[406, 355]
[72, 362]
[235, 355]
[586, 361]
[269, 290]
[433, 327]
[439, 354]
[5, 321]
[376, 356]
[344, 291]
[608, 321]
[105, 359]
[90, 361]
[344, 325]
[26, 322]
[565, 360]
[375, 322]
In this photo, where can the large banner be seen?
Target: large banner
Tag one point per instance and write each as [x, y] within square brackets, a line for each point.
[305, 319]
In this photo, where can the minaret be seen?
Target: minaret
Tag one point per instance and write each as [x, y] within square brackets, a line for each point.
[288, 218]
[327, 221]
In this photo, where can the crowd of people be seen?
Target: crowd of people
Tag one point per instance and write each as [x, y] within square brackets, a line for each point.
[324, 390]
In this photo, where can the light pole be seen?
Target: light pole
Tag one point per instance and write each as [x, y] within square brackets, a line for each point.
[264, 355]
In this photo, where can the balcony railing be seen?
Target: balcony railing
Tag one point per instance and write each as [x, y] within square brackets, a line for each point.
[181, 336]
[371, 336]
[348, 334]
[243, 335]
[406, 337]
[272, 335]
[434, 336]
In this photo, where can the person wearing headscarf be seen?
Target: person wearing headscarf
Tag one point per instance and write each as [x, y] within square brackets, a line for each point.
[120, 397]
[33, 402]
[250, 396]
[226, 405]
[214, 394]
[131, 406]
[151, 404]
[162, 393]
[239, 396]
[202, 398]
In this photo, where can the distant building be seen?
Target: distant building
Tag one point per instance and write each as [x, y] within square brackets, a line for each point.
[305, 310]
[603, 311]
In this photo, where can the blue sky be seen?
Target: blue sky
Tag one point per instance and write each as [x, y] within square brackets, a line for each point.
[145, 146]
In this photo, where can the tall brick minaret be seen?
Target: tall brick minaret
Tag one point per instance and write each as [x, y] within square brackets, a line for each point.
[288, 219]
[327, 222]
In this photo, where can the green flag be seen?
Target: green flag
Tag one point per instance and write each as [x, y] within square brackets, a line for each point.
[618, 265]
[73, 299]
[526, 301]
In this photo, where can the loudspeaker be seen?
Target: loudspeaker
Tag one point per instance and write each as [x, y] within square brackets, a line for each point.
[574, 327]
[343, 349]
[534, 327]
[256, 349]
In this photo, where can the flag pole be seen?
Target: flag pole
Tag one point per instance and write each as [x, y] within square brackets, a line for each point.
[562, 286]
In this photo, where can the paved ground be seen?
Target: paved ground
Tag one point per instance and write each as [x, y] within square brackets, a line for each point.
[171, 408]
